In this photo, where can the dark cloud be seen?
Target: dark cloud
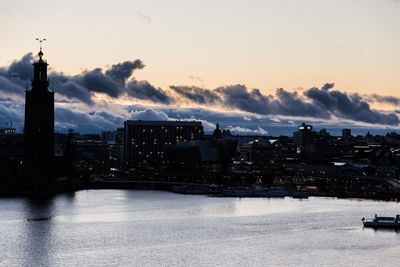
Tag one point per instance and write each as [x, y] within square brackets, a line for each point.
[146, 91]
[22, 69]
[13, 111]
[284, 102]
[116, 81]
[97, 122]
[15, 78]
[8, 86]
[292, 104]
[70, 88]
[237, 96]
[112, 82]
[122, 71]
[196, 94]
[385, 99]
[96, 81]
[351, 107]
[316, 103]
[327, 86]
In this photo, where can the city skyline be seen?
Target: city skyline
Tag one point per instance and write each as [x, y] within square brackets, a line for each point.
[215, 133]
[314, 72]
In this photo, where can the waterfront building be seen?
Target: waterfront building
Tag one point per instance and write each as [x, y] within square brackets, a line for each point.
[91, 158]
[146, 141]
[11, 158]
[39, 130]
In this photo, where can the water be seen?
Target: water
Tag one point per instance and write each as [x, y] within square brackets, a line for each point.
[147, 228]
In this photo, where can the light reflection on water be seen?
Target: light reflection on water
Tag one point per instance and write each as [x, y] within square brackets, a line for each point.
[122, 227]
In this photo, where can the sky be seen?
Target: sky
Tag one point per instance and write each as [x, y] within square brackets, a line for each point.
[256, 67]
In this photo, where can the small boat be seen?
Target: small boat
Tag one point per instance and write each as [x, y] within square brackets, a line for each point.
[382, 222]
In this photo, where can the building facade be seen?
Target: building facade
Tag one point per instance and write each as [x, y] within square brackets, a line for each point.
[147, 141]
[304, 136]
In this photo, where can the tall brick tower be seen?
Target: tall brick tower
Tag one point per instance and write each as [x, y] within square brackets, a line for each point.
[39, 131]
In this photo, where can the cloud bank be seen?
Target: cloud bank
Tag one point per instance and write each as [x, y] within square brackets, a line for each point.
[241, 109]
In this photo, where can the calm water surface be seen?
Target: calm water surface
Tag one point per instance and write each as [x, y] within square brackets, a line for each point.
[146, 228]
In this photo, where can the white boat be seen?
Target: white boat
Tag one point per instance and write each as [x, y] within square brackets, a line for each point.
[382, 222]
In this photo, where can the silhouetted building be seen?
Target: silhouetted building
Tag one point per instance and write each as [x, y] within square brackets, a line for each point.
[91, 158]
[256, 151]
[11, 159]
[39, 130]
[304, 136]
[109, 137]
[346, 133]
[8, 131]
[120, 142]
[202, 156]
[146, 141]
[217, 132]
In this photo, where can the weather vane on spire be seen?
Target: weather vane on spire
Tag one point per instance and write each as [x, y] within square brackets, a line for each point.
[40, 41]
[40, 54]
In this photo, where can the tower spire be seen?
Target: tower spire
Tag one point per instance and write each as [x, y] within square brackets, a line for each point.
[40, 81]
[40, 54]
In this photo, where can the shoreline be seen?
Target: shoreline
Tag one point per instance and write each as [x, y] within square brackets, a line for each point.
[201, 189]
